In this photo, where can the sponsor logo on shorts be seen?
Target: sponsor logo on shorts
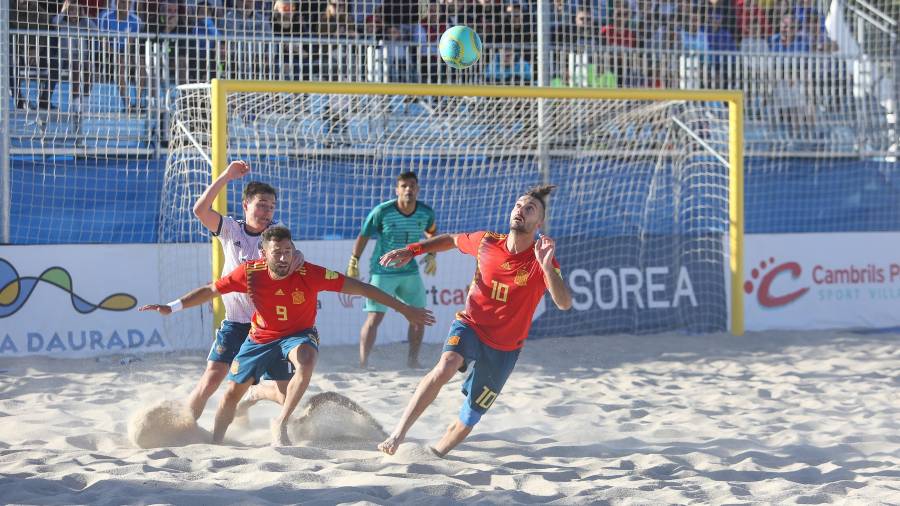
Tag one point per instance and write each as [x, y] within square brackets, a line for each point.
[220, 349]
[453, 340]
[235, 366]
[330, 274]
[315, 339]
[298, 297]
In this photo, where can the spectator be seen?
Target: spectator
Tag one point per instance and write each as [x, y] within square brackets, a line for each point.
[170, 21]
[38, 54]
[618, 36]
[427, 36]
[818, 38]
[75, 49]
[787, 40]
[752, 11]
[404, 14]
[804, 11]
[287, 21]
[562, 22]
[336, 20]
[488, 20]
[695, 48]
[124, 50]
[398, 55]
[721, 42]
[206, 52]
[509, 67]
[694, 37]
[585, 30]
[245, 19]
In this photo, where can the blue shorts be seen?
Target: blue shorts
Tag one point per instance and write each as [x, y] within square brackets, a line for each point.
[492, 369]
[254, 359]
[229, 339]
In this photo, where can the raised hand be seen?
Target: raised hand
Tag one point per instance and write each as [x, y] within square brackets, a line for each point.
[419, 316]
[160, 308]
[237, 169]
[353, 267]
[396, 258]
[544, 249]
[430, 262]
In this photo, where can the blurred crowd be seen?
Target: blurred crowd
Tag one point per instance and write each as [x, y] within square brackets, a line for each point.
[89, 38]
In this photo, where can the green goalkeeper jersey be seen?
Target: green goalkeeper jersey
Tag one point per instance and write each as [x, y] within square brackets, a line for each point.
[395, 230]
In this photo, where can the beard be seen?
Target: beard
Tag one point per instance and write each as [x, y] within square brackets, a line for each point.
[280, 270]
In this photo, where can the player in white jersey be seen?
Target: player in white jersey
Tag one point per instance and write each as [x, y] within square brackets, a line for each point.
[240, 242]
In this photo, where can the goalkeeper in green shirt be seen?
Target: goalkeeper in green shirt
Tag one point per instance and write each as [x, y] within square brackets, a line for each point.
[397, 222]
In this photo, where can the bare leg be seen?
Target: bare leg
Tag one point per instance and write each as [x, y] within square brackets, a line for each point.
[456, 432]
[225, 413]
[367, 336]
[425, 394]
[304, 359]
[266, 390]
[212, 377]
[414, 335]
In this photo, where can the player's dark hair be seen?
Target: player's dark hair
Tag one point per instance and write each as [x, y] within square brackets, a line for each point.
[540, 193]
[255, 188]
[408, 175]
[276, 233]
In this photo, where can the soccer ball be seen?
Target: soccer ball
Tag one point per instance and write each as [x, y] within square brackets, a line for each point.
[460, 47]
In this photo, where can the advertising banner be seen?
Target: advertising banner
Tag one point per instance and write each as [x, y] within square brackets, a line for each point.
[822, 281]
[81, 300]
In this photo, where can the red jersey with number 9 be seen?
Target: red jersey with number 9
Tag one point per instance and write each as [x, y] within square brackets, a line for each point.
[283, 306]
[505, 291]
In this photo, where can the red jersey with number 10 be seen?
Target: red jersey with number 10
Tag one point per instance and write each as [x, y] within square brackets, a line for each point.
[283, 306]
[505, 292]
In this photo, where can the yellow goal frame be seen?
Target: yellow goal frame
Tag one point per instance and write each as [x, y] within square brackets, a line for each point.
[220, 89]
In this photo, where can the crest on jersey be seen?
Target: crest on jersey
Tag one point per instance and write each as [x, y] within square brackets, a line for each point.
[521, 277]
[298, 297]
[330, 274]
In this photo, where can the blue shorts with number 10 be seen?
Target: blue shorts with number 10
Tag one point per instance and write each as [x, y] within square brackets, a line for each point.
[492, 369]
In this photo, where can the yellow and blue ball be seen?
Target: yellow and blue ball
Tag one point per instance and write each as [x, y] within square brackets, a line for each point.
[460, 47]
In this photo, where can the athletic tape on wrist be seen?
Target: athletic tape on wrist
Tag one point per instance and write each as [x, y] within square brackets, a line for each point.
[175, 305]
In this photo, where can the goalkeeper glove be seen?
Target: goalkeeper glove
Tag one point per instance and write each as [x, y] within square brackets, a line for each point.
[430, 264]
[353, 267]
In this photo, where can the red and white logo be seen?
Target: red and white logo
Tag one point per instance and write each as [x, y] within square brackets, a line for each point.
[769, 271]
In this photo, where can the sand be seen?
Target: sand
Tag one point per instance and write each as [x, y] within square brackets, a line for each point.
[788, 418]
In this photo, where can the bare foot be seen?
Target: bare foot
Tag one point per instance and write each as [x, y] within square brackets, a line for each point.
[241, 415]
[413, 364]
[390, 444]
[279, 433]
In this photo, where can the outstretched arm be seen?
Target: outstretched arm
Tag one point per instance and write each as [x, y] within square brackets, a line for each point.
[193, 298]
[415, 315]
[203, 207]
[402, 256]
[544, 250]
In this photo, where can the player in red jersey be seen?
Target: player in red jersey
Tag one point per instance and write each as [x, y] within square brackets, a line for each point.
[513, 271]
[283, 324]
